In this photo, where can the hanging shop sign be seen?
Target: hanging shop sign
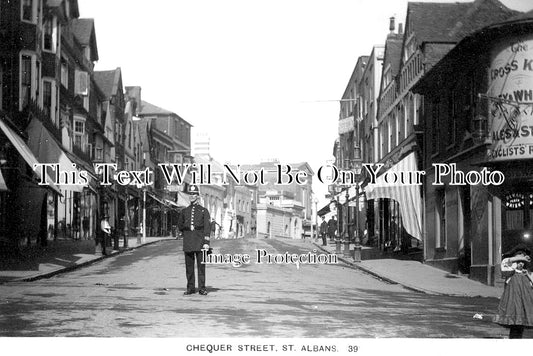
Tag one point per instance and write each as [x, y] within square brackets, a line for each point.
[346, 125]
[510, 99]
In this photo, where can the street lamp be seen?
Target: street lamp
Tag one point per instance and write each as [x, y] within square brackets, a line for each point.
[334, 208]
[142, 238]
[347, 226]
[316, 218]
[358, 165]
[480, 129]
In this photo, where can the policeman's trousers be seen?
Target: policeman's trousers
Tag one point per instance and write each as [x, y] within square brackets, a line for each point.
[189, 270]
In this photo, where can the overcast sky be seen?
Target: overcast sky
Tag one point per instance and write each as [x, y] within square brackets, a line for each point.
[261, 77]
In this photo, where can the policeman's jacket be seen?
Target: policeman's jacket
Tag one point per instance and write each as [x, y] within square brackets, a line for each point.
[195, 224]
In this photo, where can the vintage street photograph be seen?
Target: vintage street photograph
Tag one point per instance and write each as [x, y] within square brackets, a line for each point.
[266, 177]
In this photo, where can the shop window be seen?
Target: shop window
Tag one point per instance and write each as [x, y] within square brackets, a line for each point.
[514, 212]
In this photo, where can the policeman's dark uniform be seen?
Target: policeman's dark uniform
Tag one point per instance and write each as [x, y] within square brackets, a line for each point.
[195, 224]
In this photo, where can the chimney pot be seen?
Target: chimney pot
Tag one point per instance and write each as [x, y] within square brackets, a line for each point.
[400, 28]
[392, 24]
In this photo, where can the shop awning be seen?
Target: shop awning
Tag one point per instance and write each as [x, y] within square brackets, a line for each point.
[159, 200]
[173, 204]
[324, 210]
[183, 199]
[407, 196]
[25, 152]
[47, 150]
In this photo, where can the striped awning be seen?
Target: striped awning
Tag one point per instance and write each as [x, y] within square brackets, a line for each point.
[407, 195]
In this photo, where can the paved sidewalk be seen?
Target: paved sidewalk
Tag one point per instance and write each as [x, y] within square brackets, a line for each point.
[61, 256]
[419, 276]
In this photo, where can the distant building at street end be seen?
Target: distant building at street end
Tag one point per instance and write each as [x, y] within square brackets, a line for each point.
[283, 210]
[201, 144]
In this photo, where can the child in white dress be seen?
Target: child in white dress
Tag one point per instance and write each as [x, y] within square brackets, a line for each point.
[515, 310]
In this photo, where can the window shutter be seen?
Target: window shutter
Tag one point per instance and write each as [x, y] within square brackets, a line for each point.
[81, 84]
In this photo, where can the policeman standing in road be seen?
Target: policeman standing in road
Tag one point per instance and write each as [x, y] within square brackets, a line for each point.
[195, 224]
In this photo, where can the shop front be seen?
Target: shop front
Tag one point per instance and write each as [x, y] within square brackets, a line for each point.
[510, 134]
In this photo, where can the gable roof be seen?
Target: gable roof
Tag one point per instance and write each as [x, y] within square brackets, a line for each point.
[144, 134]
[84, 31]
[151, 109]
[471, 46]
[104, 79]
[432, 22]
[523, 16]
[449, 22]
[393, 51]
[108, 81]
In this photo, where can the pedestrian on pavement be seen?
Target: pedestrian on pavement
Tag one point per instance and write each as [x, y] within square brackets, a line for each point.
[332, 228]
[85, 224]
[105, 234]
[324, 231]
[195, 224]
[515, 310]
[214, 225]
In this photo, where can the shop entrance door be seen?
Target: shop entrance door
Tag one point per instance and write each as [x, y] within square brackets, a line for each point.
[517, 219]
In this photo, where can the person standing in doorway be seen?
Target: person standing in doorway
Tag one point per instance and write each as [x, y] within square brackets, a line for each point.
[515, 310]
[195, 224]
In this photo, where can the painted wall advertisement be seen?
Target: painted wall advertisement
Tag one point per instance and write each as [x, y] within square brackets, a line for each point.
[511, 100]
